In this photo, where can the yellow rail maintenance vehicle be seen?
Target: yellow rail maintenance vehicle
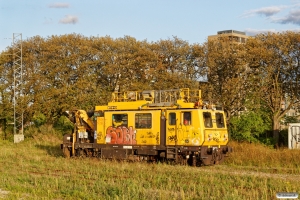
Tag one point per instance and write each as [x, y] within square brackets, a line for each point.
[153, 125]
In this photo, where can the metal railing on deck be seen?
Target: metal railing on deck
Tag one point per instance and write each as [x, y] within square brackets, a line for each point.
[158, 96]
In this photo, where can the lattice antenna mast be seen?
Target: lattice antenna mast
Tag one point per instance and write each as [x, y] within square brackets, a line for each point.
[18, 87]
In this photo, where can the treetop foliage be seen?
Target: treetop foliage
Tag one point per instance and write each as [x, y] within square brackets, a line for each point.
[73, 71]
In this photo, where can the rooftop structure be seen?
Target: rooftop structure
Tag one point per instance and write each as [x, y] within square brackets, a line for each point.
[237, 36]
[153, 99]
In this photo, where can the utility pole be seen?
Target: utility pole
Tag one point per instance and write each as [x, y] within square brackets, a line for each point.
[18, 88]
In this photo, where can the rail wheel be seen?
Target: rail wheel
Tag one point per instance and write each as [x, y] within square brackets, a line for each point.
[80, 153]
[181, 160]
[196, 161]
[217, 158]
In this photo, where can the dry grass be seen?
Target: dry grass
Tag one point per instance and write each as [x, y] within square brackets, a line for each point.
[35, 169]
[255, 156]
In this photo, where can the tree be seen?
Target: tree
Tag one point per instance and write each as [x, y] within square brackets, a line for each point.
[123, 64]
[6, 89]
[227, 73]
[274, 60]
[176, 64]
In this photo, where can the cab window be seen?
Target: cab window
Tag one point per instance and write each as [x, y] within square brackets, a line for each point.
[207, 119]
[119, 120]
[143, 120]
[220, 120]
[187, 118]
[172, 118]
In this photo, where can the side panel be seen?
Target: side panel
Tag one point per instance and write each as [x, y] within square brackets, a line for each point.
[118, 128]
[130, 127]
[184, 128]
[150, 134]
[100, 130]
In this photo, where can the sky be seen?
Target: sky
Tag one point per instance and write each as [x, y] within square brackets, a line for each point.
[151, 20]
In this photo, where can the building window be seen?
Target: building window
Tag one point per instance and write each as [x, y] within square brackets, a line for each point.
[143, 120]
[207, 119]
[172, 118]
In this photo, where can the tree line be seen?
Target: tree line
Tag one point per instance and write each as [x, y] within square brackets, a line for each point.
[74, 71]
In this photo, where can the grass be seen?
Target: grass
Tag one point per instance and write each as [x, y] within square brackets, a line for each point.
[35, 169]
[258, 156]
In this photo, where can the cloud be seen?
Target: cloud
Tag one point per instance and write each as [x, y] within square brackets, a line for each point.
[253, 32]
[266, 11]
[59, 5]
[69, 19]
[292, 18]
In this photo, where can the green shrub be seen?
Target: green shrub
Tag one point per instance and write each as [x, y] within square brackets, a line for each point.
[39, 119]
[64, 125]
[249, 126]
